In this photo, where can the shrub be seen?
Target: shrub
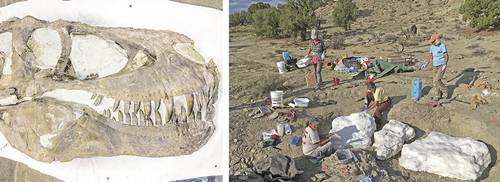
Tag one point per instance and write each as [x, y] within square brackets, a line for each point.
[297, 16]
[239, 18]
[481, 14]
[345, 13]
[266, 22]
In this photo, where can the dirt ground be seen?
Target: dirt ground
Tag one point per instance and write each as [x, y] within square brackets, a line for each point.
[473, 56]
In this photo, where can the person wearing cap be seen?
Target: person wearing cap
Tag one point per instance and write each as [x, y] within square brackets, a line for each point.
[312, 144]
[381, 101]
[439, 59]
[316, 50]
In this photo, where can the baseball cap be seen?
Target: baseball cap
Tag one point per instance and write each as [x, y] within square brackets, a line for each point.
[434, 37]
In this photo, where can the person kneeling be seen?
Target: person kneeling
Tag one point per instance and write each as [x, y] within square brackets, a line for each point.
[312, 145]
[381, 101]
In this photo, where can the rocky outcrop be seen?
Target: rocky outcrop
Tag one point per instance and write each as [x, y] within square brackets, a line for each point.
[390, 140]
[438, 153]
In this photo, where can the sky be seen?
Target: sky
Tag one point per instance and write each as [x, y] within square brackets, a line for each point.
[240, 5]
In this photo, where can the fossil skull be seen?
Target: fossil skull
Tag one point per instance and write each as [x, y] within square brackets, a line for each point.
[104, 91]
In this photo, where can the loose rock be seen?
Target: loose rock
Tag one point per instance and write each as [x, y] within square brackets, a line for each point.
[438, 153]
[353, 131]
[390, 140]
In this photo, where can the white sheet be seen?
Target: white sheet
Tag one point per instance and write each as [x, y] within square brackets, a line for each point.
[207, 27]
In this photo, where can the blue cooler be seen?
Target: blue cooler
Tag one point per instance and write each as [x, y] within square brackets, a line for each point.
[416, 89]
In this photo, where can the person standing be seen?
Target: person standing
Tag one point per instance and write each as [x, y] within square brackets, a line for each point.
[439, 60]
[316, 50]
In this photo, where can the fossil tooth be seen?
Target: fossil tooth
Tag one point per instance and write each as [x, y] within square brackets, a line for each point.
[183, 116]
[141, 120]
[116, 105]
[189, 104]
[133, 119]
[157, 105]
[137, 106]
[126, 106]
[98, 100]
[169, 105]
[107, 113]
[157, 118]
[120, 116]
[94, 95]
[127, 119]
[149, 122]
[147, 108]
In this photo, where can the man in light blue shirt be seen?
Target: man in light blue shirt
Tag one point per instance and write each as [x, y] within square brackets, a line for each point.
[439, 59]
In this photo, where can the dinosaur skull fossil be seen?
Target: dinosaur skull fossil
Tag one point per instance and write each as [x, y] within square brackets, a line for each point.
[104, 91]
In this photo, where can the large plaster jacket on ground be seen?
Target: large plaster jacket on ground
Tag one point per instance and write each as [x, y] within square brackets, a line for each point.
[104, 91]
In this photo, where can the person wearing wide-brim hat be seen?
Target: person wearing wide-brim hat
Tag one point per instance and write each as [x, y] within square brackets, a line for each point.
[317, 51]
[439, 60]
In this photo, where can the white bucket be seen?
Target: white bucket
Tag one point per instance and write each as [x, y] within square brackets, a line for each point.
[277, 98]
[281, 67]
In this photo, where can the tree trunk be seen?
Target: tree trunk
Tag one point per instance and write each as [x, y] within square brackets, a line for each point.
[303, 34]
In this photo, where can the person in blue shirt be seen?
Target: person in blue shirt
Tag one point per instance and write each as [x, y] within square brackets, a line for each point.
[439, 60]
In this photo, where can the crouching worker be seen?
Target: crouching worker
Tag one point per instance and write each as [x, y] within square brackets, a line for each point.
[377, 99]
[312, 144]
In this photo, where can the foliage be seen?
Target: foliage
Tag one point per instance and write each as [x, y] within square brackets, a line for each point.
[345, 13]
[266, 22]
[290, 20]
[258, 6]
[239, 18]
[481, 14]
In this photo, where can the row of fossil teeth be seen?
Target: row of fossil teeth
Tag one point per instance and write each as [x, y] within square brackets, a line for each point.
[160, 112]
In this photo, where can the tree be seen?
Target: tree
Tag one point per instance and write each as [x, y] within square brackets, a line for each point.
[481, 14]
[297, 16]
[266, 22]
[239, 18]
[345, 13]
[258, 6]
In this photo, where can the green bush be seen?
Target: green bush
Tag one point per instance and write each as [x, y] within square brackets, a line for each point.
[265, 22]
[297, 16]
[481, 14]
[239, 18]
[258, 6]
[345, 13]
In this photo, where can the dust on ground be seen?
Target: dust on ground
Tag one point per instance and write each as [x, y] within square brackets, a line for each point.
[253, 74]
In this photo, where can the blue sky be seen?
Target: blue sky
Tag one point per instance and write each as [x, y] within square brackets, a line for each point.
[240, 5]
